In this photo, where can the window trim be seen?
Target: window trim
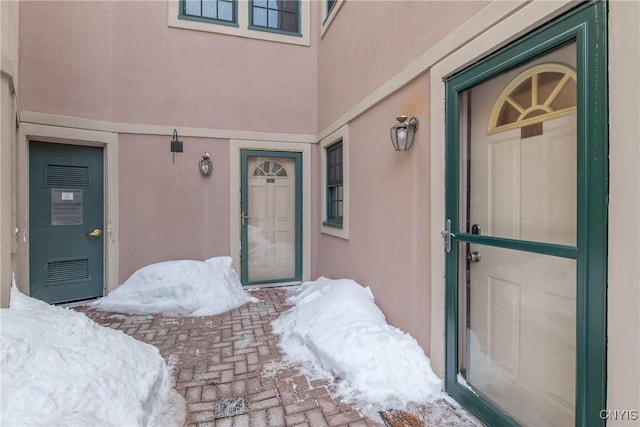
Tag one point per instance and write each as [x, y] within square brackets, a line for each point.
[327, 16]
[241, 28]
[276, 30]
[328, 227]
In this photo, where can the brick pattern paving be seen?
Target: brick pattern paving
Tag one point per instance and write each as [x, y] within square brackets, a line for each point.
[230, 364]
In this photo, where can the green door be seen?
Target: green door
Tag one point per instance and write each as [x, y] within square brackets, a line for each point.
[66, 208]
[526, 193]
[271, 217]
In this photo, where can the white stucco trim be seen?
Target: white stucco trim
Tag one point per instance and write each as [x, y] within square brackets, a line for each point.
[148, 129]
[496, 32]
[109, 142]
[7, 70]
[242, 29]
[235, 146]
[340, 134]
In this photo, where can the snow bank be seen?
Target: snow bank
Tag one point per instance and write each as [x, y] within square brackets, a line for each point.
[336, 329]
[61, 368]
[186, 287]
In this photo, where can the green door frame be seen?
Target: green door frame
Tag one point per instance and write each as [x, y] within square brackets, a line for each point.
[244, 197]
[587, 27]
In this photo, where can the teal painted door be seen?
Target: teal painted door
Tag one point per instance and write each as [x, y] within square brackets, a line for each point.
[66, 205]
[526, 186]
[271, 217]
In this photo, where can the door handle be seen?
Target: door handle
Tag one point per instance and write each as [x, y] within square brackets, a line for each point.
[474, 256]
[95, 233]
[243, 217]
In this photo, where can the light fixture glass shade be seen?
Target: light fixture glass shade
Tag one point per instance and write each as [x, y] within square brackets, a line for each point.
[403, 132]
[205, 164]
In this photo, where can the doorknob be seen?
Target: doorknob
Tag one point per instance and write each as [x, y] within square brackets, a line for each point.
[474, 256]
[95, 233]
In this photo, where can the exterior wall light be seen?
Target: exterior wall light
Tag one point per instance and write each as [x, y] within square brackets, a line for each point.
[403, 132]
[176, 146]
[205, 165]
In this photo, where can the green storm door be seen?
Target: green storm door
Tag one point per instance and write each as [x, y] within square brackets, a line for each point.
[271, 217]
[526, 190]
[66, 205]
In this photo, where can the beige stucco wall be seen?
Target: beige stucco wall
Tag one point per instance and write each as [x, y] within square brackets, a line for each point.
[8, 86]
[389, 239]
[119, 67]
[623, 329]
[392, 36]
[388, 245]
[168, 210]
[78, 59]
[121, 62]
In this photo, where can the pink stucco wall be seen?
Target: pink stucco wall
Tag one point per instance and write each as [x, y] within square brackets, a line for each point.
[119, 61]
[168, 210]
[388, 246]
[356, 55]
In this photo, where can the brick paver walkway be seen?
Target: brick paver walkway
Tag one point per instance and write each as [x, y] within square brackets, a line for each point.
[230, 370]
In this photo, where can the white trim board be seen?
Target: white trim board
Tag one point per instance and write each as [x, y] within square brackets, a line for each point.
[147, 129]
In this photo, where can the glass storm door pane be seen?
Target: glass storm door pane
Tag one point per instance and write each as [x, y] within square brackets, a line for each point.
[271, 222]
[519, 346]
[522, 173]
[518, 182]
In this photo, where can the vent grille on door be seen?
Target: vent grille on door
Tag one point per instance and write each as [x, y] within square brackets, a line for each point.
[66, 271]
[67, 176]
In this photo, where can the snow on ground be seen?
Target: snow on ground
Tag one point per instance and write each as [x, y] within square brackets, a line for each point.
[185, 287]
[61, 368]
[336, 330]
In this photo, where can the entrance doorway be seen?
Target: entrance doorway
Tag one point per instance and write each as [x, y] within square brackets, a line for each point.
[525, 202]
[271, 217]
[66, 221]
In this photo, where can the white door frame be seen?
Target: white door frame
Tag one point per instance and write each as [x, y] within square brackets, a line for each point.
[66, 135]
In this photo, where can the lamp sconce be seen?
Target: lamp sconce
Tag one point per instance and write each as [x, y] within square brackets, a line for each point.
[403, 132]
[205, 165]
[176, 146]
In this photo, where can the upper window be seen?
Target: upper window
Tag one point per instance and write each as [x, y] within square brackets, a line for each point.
[275, 15]
[329, 11]
[330, 4]
[218, 11]
[282, 21]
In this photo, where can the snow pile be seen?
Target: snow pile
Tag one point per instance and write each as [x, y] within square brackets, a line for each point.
[186, 287]
[336, 329]
[61, 368]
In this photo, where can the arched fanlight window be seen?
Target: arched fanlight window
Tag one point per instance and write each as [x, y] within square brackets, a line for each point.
[539, 93]
[270, 168]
